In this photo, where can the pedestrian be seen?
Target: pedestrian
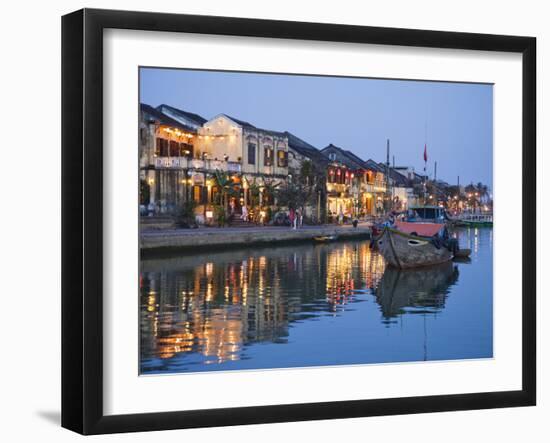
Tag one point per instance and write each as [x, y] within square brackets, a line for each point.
[341, 217]
[292, 217]
[301, 217]
[244, 214]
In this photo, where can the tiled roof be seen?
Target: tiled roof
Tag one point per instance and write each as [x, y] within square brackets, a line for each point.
[371, 164]
[248, 125]
[305, 149]
[241, 122]
[198, 119]
[351, 161]
[163, 118]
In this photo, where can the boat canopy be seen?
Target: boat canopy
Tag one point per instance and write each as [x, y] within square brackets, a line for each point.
[421, 229]
[436, 213]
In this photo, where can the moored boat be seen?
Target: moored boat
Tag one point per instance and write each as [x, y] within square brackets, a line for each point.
[475, 220]
[325, 238]
[410, 245]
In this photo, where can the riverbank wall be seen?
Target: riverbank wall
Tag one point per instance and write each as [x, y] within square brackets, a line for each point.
[191, 240]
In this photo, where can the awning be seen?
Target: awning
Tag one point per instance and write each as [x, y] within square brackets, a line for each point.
[421, 229]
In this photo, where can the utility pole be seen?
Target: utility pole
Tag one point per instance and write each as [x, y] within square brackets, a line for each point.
[435, 172]
[388, 195]
[458, 191]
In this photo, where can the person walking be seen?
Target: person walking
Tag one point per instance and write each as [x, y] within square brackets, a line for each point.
[298, 217]
[292, 217]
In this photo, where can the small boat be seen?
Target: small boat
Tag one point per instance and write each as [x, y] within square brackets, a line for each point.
[475, 220]
[324, 238]
[463, 253]
[410, 245]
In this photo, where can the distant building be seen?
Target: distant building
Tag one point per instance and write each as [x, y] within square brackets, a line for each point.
[408, 186]
[403, 194]
[354, 186]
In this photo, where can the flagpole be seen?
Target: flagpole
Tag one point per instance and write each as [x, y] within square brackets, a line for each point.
[425, 173]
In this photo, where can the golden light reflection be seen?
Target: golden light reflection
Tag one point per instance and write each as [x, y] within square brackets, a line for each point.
[215, 308]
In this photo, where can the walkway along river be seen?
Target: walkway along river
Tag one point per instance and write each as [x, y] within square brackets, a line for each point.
[312, 305]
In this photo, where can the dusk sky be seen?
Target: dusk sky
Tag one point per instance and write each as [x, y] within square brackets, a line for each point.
[454, 119]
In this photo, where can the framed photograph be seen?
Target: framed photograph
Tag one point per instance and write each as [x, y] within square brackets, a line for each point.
[269, 221]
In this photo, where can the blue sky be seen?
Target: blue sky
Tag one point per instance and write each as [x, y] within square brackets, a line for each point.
[359, 114]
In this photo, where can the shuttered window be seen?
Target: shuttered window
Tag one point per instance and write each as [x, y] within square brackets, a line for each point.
[251, 154]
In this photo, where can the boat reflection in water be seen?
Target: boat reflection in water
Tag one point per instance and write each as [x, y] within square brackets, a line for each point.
[418, 290]
[308, 305]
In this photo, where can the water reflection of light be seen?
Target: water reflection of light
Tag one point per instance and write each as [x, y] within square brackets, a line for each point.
[351, 268]
[209, 292]
[209, 268]
[213, 309]
[152, 301]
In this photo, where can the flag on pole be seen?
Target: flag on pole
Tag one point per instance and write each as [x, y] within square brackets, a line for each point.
[425, 153]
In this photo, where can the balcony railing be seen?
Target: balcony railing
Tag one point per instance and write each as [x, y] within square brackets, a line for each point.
[337, 187]
[193, 163]
[376, 186]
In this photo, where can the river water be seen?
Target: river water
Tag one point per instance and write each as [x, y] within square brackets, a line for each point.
[312, 305]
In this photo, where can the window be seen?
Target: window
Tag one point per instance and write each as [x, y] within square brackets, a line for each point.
[161, 148]
[268, 156]
[332, 156]
[282, 158]
[174, 148]
[186, 150]
[251, 154]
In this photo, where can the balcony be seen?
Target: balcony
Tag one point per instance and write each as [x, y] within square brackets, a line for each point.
[376, 186]
[193, 163]
[337, 188]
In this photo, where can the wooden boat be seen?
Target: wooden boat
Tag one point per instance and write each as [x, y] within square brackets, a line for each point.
[324, 238]
[410, 245]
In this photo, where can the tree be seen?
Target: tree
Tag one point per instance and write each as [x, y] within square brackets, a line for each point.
[253, 193]
[293, 195]
[307, 172]
[482, 190]
[269, 189]
[228, 188]
[185, 215]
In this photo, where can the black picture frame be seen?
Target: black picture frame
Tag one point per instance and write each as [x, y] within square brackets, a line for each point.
[82, 215]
